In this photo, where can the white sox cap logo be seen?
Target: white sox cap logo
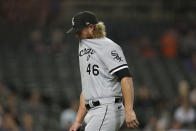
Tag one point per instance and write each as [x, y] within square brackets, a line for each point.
[87, 23]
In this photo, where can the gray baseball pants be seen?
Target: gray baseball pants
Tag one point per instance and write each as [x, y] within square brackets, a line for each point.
[108, 116]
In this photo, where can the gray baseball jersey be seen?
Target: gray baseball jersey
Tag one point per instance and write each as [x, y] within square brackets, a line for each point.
[99, 59]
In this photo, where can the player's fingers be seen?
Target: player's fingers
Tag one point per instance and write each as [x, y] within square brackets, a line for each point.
[130, 125]
[137, 122]
[134, 124]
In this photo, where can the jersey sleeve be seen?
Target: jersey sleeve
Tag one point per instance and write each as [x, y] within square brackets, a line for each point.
[114, 59]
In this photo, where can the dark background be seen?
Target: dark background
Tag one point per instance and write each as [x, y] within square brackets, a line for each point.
[39, 72]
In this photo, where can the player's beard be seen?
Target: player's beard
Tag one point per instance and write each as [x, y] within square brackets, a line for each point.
[79, 35]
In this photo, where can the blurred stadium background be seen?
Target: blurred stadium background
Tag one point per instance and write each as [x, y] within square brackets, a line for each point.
[39, 71]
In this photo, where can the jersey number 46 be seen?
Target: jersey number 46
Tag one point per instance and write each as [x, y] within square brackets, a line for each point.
[93, 69]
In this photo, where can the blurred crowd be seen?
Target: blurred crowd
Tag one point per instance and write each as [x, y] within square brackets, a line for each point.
[26, 12]
[27, 111]
[30, 110]
[20, 112]
[174, 42]
[165, 114]
[53, 43]
[178, 40]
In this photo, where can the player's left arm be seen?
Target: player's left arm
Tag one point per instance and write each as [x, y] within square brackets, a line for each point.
[115, 61]
[128, 95]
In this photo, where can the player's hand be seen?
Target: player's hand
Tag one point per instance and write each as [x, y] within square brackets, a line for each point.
[75, 127]
[131, 120]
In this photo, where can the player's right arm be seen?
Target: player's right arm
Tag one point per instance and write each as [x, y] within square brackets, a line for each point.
[80, 115]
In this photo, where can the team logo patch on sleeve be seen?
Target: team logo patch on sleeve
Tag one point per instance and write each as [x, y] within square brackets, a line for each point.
[116, 56]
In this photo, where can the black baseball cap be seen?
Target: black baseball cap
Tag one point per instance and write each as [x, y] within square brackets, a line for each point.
[82, 20]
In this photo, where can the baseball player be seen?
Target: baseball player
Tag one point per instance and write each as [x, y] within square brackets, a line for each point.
[106, 80]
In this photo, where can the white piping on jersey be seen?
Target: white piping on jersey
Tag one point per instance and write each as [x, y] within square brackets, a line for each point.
[122, 67]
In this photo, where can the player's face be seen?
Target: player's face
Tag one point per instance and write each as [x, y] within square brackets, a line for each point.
[86, 33]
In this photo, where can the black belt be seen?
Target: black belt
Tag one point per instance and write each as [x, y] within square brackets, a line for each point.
[97, 103]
